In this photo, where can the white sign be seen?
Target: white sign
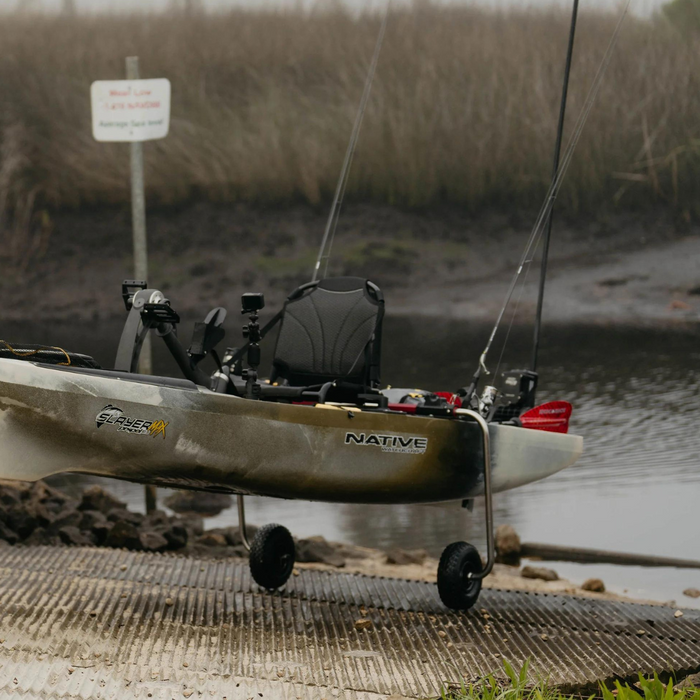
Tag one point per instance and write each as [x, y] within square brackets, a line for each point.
[130, 110]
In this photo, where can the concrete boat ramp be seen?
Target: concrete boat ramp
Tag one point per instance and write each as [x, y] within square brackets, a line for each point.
[100, 623]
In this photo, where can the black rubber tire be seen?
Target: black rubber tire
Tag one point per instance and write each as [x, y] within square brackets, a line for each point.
[272, 556]
[456, 590]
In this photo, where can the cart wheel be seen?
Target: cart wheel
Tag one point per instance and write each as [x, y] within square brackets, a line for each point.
[456, 589]
[271, 556]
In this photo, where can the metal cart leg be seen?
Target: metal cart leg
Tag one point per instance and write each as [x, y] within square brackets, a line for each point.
[488, 497]
[241, 523]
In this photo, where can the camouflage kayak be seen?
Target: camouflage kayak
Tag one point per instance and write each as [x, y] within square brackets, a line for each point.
[172, 432]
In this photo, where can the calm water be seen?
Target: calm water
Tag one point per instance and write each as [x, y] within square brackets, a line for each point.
[636, 396]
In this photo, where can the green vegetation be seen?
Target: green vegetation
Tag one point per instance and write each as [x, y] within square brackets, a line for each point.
[517, 686]
[649, 689]
[463, 110]
[683, 14]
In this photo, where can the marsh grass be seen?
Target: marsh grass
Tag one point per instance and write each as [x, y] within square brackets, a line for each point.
[517, 685]
[463, 110]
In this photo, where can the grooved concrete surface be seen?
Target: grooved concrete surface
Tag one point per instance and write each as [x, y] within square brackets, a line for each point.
[100, 623]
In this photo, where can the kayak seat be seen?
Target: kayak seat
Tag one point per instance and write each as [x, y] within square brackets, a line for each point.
[330, 331]
[46, 354]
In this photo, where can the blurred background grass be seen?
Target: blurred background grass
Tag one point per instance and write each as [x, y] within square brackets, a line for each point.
[463, 110]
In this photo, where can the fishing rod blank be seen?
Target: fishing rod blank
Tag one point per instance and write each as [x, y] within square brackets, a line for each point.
[324, 252]
[557, 153]
[551, 194]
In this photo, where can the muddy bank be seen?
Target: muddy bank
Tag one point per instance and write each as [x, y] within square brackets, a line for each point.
[38, 514]
[632, 269]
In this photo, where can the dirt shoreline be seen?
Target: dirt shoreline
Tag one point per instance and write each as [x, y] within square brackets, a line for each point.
[631, 269]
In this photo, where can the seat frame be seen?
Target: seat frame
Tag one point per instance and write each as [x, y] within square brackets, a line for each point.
[318, 392]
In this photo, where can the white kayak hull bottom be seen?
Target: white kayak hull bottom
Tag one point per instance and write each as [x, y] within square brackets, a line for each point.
[172, 433]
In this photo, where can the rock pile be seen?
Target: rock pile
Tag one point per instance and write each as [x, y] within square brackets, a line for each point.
[593, 584]
[507, 545]
[38, 514]
[539, 572]
[318, 549]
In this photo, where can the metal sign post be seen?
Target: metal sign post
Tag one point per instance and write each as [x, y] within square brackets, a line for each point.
[134, 110]
[138, 218]
[138, 224]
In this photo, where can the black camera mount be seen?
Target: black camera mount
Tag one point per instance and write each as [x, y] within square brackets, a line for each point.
[252, 303]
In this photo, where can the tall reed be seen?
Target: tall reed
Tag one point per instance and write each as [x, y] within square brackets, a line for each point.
[463, 109]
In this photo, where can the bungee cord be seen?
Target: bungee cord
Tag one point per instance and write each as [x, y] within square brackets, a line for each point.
[552, 192]
[324, 252]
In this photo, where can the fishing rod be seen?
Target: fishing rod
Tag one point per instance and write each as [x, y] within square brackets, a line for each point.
[468, 392]
[332, 222]
[324, 252]
[557, 152]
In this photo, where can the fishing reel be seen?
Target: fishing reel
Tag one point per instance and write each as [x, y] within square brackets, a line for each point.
[487, 401]
[515, 396]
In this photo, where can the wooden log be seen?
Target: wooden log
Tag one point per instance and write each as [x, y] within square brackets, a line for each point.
[554, 552]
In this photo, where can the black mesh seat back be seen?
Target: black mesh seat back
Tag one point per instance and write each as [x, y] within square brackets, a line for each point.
[330, 331]
[46, 354]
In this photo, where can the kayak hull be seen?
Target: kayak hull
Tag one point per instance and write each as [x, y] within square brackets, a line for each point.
[55, 420]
